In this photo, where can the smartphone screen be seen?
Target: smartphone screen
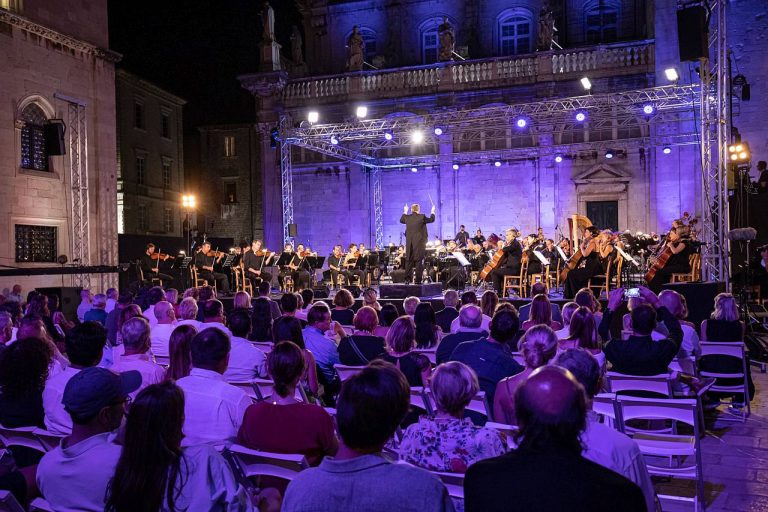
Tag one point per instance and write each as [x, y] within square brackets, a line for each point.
[632, 293]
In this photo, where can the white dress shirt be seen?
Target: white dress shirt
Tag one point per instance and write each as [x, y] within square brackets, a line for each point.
[218, 325]
[485, 324]
[57, 420]
[75, 478]
[194, 323]
[159, 337]
[246, 362]
[213, 409]
[82, 309]
[111, 303]
[151, 372]
[149, 313]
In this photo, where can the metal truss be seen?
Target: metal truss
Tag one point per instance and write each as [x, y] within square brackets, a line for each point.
[78, 164]
[378, 215]
[286, 184]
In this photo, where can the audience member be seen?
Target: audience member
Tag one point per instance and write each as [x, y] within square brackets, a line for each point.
[213, 316]
[213, 409]
[547, 472]
[246, 362]
[307, 297]
[409, 306]
[75, 475]
[342, 312]
[84, 306]
[449, 313]
[161, 332]
[449, 441]
[289, 304]
[242, 300]
[362, 346]
[180, 352]
[603, 444]
[659, 330]
[401, 342]
[583, 334]
[370, 408]
[370, 299]
[428, 333]
[568, 310]
[136, 356]
[264, 291]
[541, 314]
[32, 326]
[538, 288]
[470, 329]
[38, 306]
[491, 301]
[97, 312]
[24, 367]
[587, 299]
[130, 311]
[323, 348]
[491, 358]
[154, 295]
[188, 310]
[6, 328]
[261, 320]
[689, 348]
[123, 301]
[538, 346]
[387, 316]
[172, 296]
[289, 329]
[15, 294]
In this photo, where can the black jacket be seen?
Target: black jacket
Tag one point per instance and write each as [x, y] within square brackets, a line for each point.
[416, 228]
[444, 317]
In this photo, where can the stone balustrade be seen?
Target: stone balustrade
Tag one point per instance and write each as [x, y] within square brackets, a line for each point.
[604, 60]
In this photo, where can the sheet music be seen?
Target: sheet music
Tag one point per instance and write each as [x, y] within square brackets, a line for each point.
[544, 261]
[463, 261]
[562, 254]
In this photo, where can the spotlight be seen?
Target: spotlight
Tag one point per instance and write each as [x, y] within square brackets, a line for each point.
[667, 150]
[417, 136]
[521, 123]
[671, 74]
[743, 155]
[497, 163]
[414, 169]
[455, 167]
[313, 116]
[739, 153]
[586, 84]
[362, 112]
[581, 117]
[387, 136]
[558, 159]
[438, 131]
[648, 109]
[609, 154]
[334, 140]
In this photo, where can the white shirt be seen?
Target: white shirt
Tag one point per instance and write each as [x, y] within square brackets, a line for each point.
[246, 362]
[82, 309]
[57, 420]
[111, 303]
[159, 337]
[563, 333]
[485, 324]
[151, 372]
[194, 323]
[150, 314]
[617, 452]
[690, 349]
[213, 409]
[75, 478]
[218, 325]
[302, 314]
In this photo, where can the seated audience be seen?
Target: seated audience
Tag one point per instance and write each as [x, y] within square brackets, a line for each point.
[387, 316]
[206, 293]
[491, 358]
[689, 348]
[307, 298]
[538, 346]
[246, 362]
[370, 299]
[136, 356]
[130, 311]
[38, 306]
[161, 332]
[537, 289]
[401, 342]
[289, 329]
[180, 352]
[603, 444]
[84, 306]
[154, 295]
[469, 298]
[323, 348]
[659, 331]
[24, 367]
[410, 304]
[547, 472]
[242, 300]
[213, 316]
[261, 320]
[76, 474]
[113, 317]
[289, 304]
[568, 310]
[370, 408]
[112, 297]
[587, 299]
[541, 314]
[583, 334]
[342, 312]
[449, 313]
[97, 312]
[213, 409]
[264, 291]
[284, 424]
[85, 346]
[470, 329]
[154, 472]
[449, 441]
[428, 333]
[362, 346]
[172, 296]
[6, 328]
[188, 310]
[488, 303]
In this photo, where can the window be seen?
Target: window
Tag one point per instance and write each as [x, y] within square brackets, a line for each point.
[168, 220]
[601, 21]
[34, 153]
[230, 193]
[165, 123]
[138, 115]
[430, 41]
[166, 174]
[142, 220]
[229, 145]
[36, 244]
[515, 32]
[141, 170]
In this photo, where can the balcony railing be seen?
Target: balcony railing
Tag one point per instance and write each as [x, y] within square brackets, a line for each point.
[604, 60]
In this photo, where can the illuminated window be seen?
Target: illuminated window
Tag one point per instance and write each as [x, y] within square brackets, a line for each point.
[229, 145]
[34, 153]
[601, 21]
[515, 32]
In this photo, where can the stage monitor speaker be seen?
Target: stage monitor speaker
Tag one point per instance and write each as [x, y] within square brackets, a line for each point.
[69, 299]
[292, 231]
[321, 292]
[692, 33]
[354, 290]
[53, 134]
[700, 298]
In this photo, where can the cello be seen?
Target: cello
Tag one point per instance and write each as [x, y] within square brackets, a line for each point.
[497, 256]
[660, 261]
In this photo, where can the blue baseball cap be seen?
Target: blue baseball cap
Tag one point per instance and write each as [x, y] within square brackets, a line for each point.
[92, 389]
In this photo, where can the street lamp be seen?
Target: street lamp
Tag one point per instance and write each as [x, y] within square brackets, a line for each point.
[188, 202]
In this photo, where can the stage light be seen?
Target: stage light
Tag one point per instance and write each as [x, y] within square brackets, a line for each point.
[667, 150]
[671, 74]
[313, 116]
[734, 156]
[609, 154]
[362, 112]
[438, 131]
[188, 202]
[417, 136]
[521, 123]
[648, 109]
[581, 117]
[743, 155]
[586, 84]
[497, 163]
[455, 167]
[414, 169]
[387, 136]
[334, 140]
[739, 153]
[558, 159]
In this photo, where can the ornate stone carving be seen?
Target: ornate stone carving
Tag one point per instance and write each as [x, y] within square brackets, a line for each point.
[447, 40]
[356, 46]
[265, 84]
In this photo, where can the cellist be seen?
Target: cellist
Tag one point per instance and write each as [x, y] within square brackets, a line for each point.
[510, 261]
[579, 277]
[676, 263]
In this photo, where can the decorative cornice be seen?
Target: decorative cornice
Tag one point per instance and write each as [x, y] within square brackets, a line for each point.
[58, 38]
[266, 84]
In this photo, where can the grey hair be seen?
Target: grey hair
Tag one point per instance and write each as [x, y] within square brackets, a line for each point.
[188, 309]
[410, 304]
[135, 333]
[470, 316]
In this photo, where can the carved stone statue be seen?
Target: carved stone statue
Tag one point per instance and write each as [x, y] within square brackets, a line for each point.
[447, 40]
[546, 29]
[297, 56]
[268, 23]
[356, 46]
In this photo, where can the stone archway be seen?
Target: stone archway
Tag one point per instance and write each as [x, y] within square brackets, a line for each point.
[603, 182]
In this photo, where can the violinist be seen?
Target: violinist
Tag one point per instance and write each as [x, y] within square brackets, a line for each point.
[530, 244]
[253, 264]
[350, 264]
[150, 264]
[335, 265]
[590, 255]
[677, 263]
[298, 267]
[204, 261]
[550, 252]
[510, 262]
[286, 270]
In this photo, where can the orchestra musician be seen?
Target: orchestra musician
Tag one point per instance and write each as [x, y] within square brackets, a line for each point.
[478, 239]
[253, 264]
[461, 237]
[550, 252]
[510, 262]
[299, 267]
[530, 244]
[677, 263]
[205, 259]
[579, 277]
[398, 272]
[565, 245]
[336, 265]
[150, 265]
[415, 240]
[452, 274]
[285, 270]
[350, 262]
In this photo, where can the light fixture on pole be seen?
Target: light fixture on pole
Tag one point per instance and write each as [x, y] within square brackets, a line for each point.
[586, 84]
[417, 136]
[671, 74]
[188, 203]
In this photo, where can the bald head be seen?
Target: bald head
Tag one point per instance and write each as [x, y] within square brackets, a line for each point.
[470, 316]
[164, 312]
[551, 410]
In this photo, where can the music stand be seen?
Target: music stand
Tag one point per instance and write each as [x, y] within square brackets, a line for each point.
[285, 259]
[228, 260]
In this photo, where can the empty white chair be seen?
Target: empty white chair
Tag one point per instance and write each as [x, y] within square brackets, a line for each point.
[734, 350]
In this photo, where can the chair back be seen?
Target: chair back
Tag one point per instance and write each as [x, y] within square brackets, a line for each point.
[454, 483]
[163, 360]
[519, 358]
[420, 398]
[659, 385]
[344, 371]
[264, 346]
[604, 404]
[260, 463]
[479, 404]
[8, 502]
[683, 410]
[22, 436]
[47, 439]
[726, 349]
[431, 354]
[504, 428]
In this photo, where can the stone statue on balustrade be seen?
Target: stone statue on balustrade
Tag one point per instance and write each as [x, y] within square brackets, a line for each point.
[268, 23]
[356, 49]
[447, 40]
[546, 29]
[297, 56]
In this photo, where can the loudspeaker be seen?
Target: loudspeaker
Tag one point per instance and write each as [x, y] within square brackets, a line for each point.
[321, 292]
[354, 290]
[69, 299]
[53, 134]
[700, 298]
[692, 33]
[292, 231]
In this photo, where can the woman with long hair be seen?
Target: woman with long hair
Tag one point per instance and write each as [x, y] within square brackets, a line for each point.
[261, 320]
[180, 352]
[541, 314]
[155, 473]
[242, 300]
[401, 341]
[488, 303]
[387, 316]
[583, 334]
[288, 328]
[24, 368]
[428, 333]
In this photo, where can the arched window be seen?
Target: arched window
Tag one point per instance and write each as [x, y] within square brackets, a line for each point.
[430, 40]
[34, 154]
[515, 32]
[369, 38]
[601, 21]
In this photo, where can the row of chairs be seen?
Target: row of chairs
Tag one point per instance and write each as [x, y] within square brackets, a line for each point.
[33, 438]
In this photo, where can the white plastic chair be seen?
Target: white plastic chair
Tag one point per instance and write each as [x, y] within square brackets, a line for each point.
[420, 398]
[259, 463]
[261, 389]
[735, 350]
[344, 371]
[22, 436]
[264, 346]
[478, 404]
[431, 354]
[660, 385]
[518, 356]
[163, 360]
[604, 404]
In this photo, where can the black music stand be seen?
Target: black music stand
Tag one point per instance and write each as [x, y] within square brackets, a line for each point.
[285, 259]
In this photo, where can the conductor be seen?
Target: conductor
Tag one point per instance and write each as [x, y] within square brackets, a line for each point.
[415, 239]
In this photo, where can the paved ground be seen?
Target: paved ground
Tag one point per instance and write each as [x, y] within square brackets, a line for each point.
[735, 457]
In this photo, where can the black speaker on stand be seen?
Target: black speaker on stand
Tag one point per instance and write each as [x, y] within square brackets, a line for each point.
[292, 231]
[692, 33]
[53, 134]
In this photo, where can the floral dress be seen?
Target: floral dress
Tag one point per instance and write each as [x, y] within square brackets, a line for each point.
[449, 444]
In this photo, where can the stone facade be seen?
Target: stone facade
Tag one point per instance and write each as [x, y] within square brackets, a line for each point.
[151, 158]
[58, 67]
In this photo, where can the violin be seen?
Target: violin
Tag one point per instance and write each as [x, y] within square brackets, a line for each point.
[161, 256]
[216, 254]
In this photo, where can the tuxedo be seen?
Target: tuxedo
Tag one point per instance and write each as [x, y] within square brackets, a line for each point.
[415, 242]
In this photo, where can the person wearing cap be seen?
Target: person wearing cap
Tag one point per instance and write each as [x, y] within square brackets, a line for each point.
[136, 356]
[74, 476]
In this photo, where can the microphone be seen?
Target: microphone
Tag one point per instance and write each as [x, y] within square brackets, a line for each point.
[742, 234]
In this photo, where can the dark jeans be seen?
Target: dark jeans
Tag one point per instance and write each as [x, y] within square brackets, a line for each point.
[221, 280]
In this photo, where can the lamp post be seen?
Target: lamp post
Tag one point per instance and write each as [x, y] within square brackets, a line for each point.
[188, 203]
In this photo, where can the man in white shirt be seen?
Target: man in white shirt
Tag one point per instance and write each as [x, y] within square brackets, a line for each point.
[111, 300]
[213, 316]
[307, 296]
[85, 305]
[74, 476]
[188, 313]
[485, 323]
[246, 362]
[154, 295]
[136, 356]
[603, 444]
[323, 348]
[161, 331]
[85, 346]
[15, 295]
[213, 409]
